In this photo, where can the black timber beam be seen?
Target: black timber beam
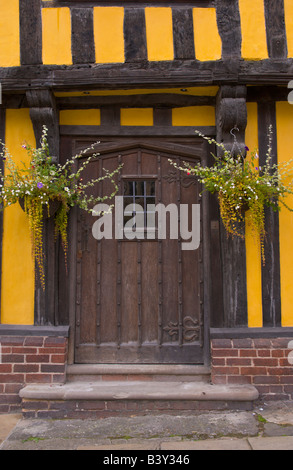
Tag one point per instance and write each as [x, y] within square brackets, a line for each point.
[275, 28]
[136, 131]
[30, 24]
[82, 38]
[271, 293]
[164, 100]
[231, 112]
[178, 73]
[195, 3]
[229, 26]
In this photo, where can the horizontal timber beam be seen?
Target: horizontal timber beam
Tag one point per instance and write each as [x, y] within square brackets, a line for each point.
[32, 330]
[136, 131]
[156, 100]
[138, 101]
[196, 3]
[175, 73]
[233, 333]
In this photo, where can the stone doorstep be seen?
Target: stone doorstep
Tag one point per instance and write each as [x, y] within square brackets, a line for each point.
[140, 390]
[160, 372]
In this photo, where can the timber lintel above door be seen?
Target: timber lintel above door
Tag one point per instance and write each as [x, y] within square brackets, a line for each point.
[192, 148]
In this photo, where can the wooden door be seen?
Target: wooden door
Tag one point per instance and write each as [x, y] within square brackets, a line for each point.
[140, 300]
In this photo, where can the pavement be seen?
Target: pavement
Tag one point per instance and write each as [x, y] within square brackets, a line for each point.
[269, 426]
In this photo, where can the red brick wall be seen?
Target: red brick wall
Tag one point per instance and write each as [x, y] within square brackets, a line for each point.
[29, 359]
[262, 362]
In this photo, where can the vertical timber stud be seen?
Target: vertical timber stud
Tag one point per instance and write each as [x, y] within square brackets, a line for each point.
[30, 23]
[275, 28]
[135, 34]
[183, 33]
[229, 26]
[231, 112]
[82, 39]
[271, 294]
[43, 111]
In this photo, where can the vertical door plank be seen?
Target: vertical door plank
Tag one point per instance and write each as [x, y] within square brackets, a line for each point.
[129, 300]
[88, 270]
[150, 292]
[148, 163]
[169, 261]
[108, 324]
[109, 288]
[191, 259]
[130, 164]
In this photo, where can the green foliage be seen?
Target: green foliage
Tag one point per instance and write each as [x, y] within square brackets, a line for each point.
[43, 182]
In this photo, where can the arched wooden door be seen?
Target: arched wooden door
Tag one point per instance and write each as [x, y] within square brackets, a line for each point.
[141, 300]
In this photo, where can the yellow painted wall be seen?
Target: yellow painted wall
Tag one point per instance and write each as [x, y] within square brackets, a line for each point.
[208, 44]
[285, 152]
[17, 302]
[254, 42]
[194, 116]
[159, 33]
[189, 116]
[9, 33]
[78, 117]
[288, 6]
[137, 117]
[253, 252]
[108, 34]
[56, 26]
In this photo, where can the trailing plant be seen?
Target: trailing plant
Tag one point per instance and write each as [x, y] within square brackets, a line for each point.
[44, 183]
[244, 188]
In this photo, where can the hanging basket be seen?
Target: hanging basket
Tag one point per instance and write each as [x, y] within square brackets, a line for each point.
[54, 205]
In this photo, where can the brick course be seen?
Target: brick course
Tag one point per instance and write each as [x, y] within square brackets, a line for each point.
[262, 362]
[29, 359]
[82, 409]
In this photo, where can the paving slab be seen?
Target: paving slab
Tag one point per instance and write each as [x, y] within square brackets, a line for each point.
[271, 443]
[208, 444]
[143, 445]
[7, 424]
[72, 433]
[209, 430]
[280, 413]
[274, 430]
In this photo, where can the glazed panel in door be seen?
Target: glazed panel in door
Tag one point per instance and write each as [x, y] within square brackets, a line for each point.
[139, 301]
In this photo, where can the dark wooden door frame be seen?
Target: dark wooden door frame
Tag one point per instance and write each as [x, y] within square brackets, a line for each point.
[197, 147]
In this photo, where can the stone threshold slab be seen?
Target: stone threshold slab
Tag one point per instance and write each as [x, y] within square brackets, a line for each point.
[139, 390]
[138, 369]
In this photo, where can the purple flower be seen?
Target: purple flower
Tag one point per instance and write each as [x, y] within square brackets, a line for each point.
[40, 185]
[24, 146]
[246, 148]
